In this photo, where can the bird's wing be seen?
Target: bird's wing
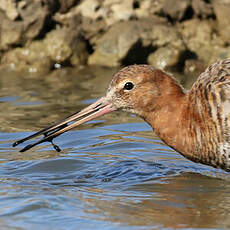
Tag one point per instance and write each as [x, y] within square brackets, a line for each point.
[213, 85]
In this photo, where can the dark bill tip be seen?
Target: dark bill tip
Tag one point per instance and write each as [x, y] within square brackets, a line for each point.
[94, 110]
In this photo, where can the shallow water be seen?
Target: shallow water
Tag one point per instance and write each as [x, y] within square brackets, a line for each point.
[112, 173]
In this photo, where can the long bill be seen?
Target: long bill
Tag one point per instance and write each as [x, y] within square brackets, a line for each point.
[98, 108]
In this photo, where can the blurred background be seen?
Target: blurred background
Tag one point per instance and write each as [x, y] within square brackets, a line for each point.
[42, 35]
[113, 173]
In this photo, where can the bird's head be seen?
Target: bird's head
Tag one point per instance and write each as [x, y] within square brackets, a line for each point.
[138, 89]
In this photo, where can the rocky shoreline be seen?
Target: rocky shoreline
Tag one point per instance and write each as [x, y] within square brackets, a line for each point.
[42, 35]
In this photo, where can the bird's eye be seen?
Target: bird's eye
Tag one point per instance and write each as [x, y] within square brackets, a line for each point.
[128, 85]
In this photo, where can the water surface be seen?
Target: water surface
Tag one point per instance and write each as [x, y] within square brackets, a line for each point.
[112, 173]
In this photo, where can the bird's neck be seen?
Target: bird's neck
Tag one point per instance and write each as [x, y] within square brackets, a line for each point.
[169, 123]
[173, 120]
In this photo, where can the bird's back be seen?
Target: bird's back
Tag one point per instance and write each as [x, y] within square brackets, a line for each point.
[209, 98]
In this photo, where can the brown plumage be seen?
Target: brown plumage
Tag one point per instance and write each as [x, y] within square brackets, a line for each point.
[195, 123]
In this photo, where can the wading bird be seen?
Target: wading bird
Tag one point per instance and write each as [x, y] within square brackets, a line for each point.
[194, 123]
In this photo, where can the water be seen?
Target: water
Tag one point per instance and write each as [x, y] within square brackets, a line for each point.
[112, 173]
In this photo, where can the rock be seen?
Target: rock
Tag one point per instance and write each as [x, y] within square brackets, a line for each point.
[10, 8]
[93, 29]
[28, 59]
[89, 9]
[34, 15]
[142, 11]
[62, 46]
[11, 32]
[165, 57]
[114, 45]
[22, 4]
[65, 5]
[114, 32]
[202, 9]
[32, 24]
[222, 9]
[175, 8]
[219, 52]
[194, 66]
[121, 38]
[120, 10]
[157, 33]
[112, 11]
[148, 8]
[52, 5]
[59, 47]
[200, 38]
[66, 44]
